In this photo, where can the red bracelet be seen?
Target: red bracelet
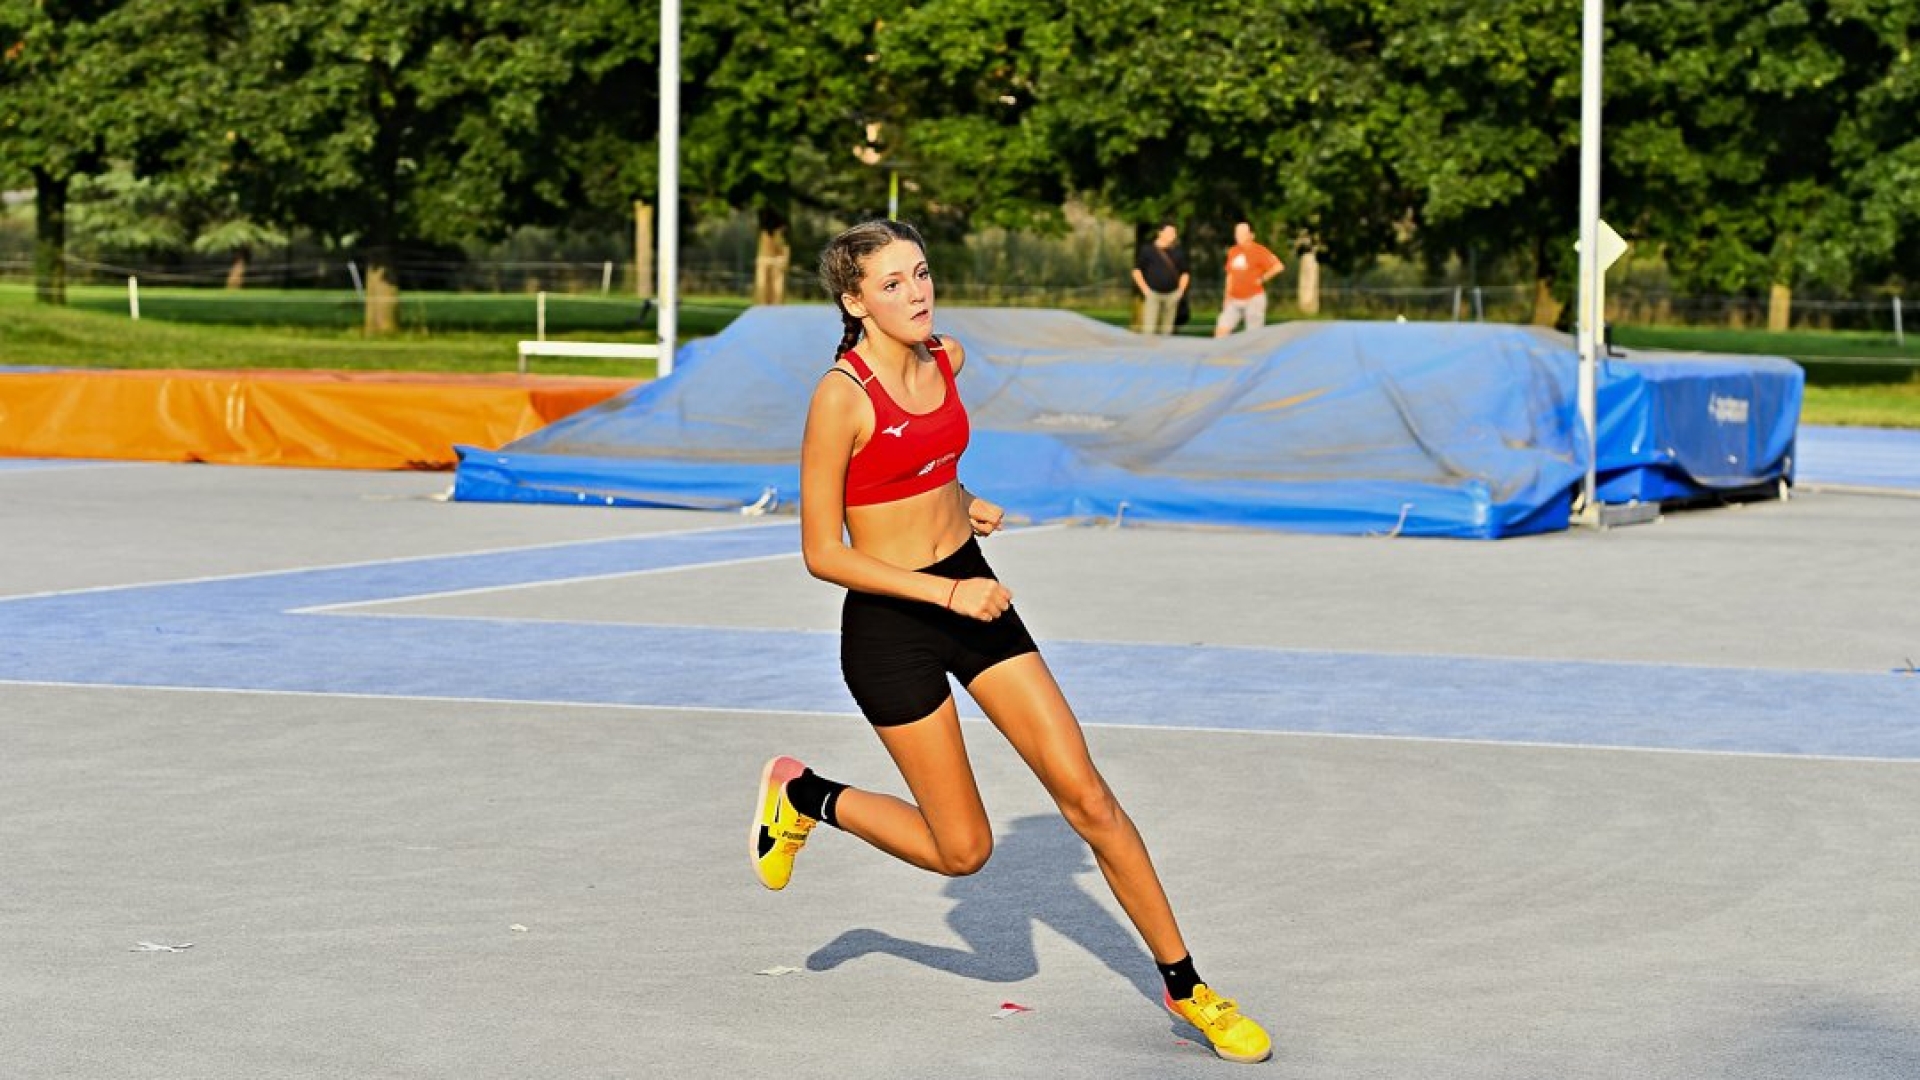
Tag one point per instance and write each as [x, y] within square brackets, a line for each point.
[950, 592]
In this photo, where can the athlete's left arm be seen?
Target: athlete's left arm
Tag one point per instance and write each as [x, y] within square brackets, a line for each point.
[984, 516]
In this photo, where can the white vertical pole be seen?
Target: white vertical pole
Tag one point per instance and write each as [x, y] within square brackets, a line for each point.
[668, 240]
[540, 316]
[133, 298]
[1589, 300]
[606, 277]
[1899, 331]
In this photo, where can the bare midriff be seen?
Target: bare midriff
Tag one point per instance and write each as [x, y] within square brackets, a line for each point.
[913, 532]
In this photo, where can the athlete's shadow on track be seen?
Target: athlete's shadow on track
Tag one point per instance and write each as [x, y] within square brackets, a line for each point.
[1029, 880]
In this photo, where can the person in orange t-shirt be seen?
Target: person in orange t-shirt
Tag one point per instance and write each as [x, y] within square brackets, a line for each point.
[1249, 266]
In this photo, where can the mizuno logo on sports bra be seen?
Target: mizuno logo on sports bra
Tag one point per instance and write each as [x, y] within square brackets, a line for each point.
[898, 429]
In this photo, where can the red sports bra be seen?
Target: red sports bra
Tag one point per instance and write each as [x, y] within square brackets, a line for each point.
[909, 453]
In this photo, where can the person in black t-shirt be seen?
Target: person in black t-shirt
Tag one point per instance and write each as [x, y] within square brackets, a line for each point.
[1160, 273]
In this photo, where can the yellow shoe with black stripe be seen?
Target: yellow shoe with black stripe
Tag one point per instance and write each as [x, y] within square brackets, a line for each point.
[779, 831]
[1234, 1037]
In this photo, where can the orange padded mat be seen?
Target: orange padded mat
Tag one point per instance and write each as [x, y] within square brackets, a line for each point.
[314, 419]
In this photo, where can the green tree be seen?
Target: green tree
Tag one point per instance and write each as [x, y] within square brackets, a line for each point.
[1124, 101]
[1776, 143]
[383, 128]
[1877, 144]
[164, 216]
[1484, 130]
[777, 97]
[957, 86]
[118, 212]
[1721, 114]
[1302, 112]
[53, 102]
[1193, 113]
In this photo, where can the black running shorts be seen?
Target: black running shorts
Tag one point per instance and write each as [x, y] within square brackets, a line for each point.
[896, 654]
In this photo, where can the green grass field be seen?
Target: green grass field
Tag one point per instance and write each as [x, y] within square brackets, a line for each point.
[440, 332]
[1852, 379]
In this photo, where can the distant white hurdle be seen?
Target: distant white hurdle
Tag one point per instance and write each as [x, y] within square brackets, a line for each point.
[599, 350]
[603, 350]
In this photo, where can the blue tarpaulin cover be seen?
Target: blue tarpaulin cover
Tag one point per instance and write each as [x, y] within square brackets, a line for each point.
[1418, 429]
[1677, 426]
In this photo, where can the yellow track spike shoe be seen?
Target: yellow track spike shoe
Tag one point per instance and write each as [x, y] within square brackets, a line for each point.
[1234, 1037]
[779, 831]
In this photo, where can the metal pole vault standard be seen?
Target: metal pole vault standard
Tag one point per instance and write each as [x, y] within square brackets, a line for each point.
[1588, 330]
[667, 270]
[1599, 247]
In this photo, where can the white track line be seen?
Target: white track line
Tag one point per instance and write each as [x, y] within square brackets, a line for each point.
[757, 713]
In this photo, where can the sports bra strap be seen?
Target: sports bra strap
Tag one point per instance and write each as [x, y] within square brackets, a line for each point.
[864, 374]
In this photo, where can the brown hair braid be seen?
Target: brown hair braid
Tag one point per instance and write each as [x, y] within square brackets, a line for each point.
[843, 264]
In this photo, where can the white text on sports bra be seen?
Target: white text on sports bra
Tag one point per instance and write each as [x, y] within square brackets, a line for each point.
[935, 463]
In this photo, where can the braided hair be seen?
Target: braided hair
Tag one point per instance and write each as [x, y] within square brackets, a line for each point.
[843, 264]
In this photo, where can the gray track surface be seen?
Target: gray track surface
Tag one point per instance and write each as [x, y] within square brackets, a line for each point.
[403, 887]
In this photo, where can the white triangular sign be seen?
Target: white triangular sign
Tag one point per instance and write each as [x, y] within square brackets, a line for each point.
[1611, 245]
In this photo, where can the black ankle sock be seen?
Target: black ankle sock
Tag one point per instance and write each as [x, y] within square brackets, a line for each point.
[1180, 977]
[814, 796]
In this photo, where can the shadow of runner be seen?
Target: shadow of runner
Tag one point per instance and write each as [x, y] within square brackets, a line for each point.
[1029, 880]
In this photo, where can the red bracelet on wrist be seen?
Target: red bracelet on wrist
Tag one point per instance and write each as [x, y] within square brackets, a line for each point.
[956, 588]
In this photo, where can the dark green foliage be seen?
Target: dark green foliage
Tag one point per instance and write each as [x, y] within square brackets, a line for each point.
[1751, 144]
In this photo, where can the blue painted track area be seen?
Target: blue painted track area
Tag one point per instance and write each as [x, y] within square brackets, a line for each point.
[1860, 457]
[300, 632]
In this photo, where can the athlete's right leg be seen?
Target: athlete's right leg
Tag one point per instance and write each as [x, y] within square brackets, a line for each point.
[890, 655]
[945, 828]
